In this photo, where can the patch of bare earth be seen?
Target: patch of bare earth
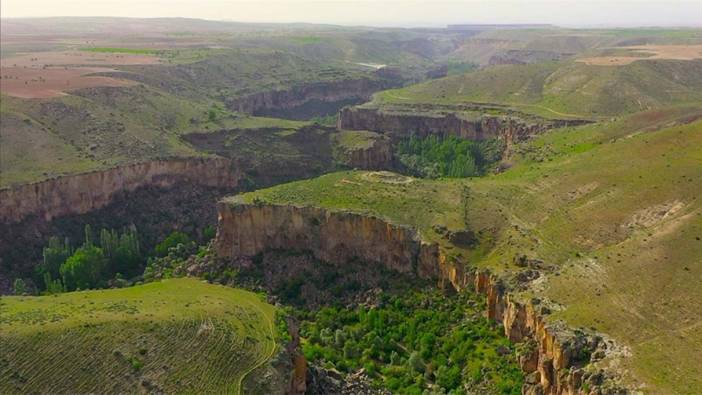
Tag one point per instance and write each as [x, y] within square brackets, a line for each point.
[51, 82]
[50, 74]
[673, 52]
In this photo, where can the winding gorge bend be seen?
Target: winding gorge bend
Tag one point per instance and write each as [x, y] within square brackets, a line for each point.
[554, 366]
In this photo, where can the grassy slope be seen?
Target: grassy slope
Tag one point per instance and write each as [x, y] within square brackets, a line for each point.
[102, 128]
[187, 335]
[615, 206]
[563, 89]
[355, 139]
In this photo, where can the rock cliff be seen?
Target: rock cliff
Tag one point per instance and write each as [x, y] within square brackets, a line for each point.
[376, 154]
[556, 365]
[81, 193]
[422, 123]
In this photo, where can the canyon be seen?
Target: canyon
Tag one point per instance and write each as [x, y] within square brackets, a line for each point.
[559, 361]
[420, 121]
[312, 99]
[81, 193]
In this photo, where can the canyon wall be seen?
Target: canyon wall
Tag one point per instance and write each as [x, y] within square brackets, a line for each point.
[81, 193]
[322, 92]
[378, 155]
[403, 124]
[554, 366]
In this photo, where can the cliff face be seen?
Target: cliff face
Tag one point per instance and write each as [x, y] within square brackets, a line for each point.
[246, 230]
[404, 124]
[554, 366]
[329, 92]
[81, 193]
[378, 155]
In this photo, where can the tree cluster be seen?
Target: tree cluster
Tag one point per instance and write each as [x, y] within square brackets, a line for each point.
[434, 156]
[112, 254]
[416, 342]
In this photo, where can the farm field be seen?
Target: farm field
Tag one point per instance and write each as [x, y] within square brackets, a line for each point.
[674, 52]
[170, 336]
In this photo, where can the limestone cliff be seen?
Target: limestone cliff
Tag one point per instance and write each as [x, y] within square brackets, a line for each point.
[81, 193]
[375, 154]
[556, 364]
[422, 123]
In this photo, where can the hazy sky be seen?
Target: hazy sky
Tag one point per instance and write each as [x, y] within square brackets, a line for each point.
[382, 12]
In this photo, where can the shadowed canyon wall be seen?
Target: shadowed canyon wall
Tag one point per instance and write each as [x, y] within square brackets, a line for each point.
[554, 366]
[81, 193]
[404, 124]
[157, 197]
[307, 100]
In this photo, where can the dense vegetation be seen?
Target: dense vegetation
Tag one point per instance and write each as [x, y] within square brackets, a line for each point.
[434, 156]
[416, 341]
[112, 255]
[106, 260]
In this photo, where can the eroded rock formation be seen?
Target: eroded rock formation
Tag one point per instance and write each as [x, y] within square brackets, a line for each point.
[444, 123]
[554, 366]
[81, 193]
[377, 155]
[323, 92]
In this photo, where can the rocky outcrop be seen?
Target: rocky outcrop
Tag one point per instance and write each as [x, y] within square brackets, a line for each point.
[248, 229]
[81, 193]
[445, 123]
[377, 154]
[327, 92]
[554, 366]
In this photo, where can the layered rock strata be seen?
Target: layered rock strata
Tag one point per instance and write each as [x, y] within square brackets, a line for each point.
[554, 365]
[81, 193]
[329, 92]
[377, 155]
[445, 123]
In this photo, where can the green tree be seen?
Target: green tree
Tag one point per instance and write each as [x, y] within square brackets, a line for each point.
[415, 362]
[55, 254]
[52, 286]
[84, 269]
[171, 241]
[122, 251]
[19, 287]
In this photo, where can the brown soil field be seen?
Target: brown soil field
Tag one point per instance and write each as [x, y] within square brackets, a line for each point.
[33, 83]
[49, 74]
[77, 58]
[675, 52]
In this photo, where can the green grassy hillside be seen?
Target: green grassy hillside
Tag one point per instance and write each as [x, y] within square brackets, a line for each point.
[613, 207]
[563, 89]
[101, 128]
[178, 335]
